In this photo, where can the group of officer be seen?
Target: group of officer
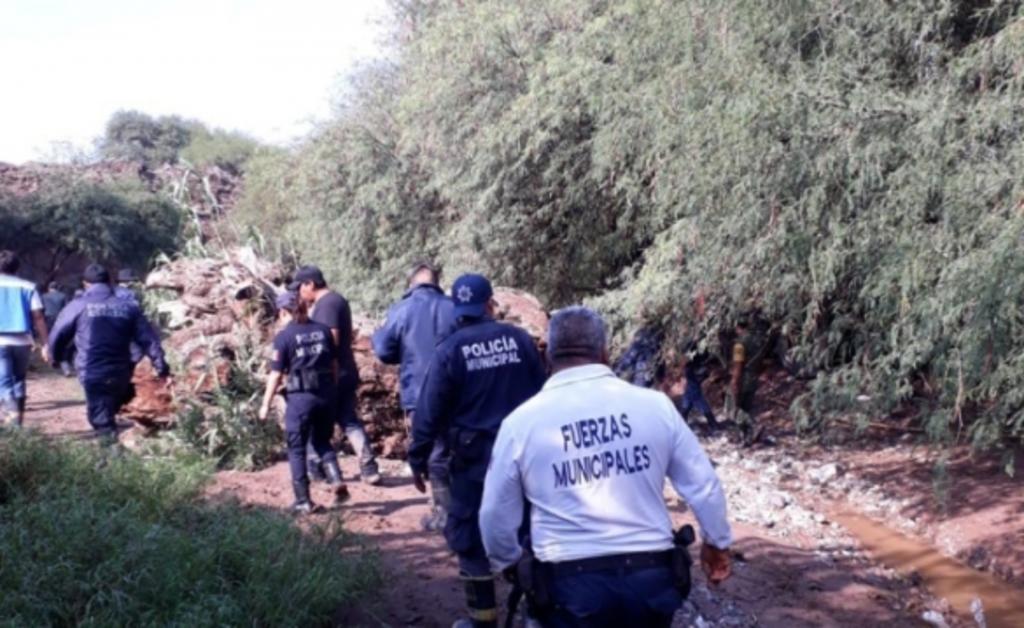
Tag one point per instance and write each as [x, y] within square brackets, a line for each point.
[553, 480]
[547, 469]
[102, 328]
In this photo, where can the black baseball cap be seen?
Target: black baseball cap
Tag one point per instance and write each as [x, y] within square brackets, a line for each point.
[94, 273]
[304, 274]
[471, 293]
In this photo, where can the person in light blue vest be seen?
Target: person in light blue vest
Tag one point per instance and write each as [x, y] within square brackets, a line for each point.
[21, 311]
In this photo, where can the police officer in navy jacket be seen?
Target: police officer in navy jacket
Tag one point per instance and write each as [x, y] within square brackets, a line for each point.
[305, 367]
[412, 330]
[477, 376]
[102, 328]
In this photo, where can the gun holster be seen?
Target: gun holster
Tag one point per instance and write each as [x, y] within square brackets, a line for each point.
[681, 560]
[303, 380]
[530, 575]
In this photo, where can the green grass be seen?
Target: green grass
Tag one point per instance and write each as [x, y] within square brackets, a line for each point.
[92, 540]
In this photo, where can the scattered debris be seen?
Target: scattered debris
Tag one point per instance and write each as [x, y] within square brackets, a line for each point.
[220, 316]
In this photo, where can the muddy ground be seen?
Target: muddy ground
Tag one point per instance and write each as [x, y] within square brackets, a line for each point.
[797, 566]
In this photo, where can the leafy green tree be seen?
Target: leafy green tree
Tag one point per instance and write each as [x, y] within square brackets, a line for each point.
[119, 222]
[136, 136]
[848, 170]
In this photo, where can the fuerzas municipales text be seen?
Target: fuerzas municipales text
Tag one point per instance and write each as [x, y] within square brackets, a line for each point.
[584, 434]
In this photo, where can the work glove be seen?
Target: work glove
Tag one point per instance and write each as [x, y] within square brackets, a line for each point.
[715, 563]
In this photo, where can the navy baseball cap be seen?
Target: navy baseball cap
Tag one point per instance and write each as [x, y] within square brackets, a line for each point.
[287, 300]
[471, 294]
[94, 273]
[304, 274]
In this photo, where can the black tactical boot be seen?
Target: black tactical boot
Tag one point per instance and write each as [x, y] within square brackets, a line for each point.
[303, 504]
[19, 412]
[441, 498]
[333, 473]
[481, 601]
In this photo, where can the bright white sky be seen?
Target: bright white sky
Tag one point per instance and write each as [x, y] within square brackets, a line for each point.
[264, 67]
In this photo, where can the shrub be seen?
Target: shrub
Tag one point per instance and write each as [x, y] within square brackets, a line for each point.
[223, 425]
[847, 170]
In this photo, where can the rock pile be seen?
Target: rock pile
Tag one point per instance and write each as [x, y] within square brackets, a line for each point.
[215, 311]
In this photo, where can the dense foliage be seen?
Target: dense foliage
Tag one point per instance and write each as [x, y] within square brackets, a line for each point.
[95, 540]
[136, 136]
[847, 169]
[120, 221]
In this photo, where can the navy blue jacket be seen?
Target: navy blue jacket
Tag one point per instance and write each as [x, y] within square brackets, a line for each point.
[102, 327]
[413, 329]
[306, 351]
[477, 377]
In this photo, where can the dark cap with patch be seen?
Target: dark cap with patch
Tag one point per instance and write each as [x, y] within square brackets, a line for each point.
[307, 273]
[471, 293]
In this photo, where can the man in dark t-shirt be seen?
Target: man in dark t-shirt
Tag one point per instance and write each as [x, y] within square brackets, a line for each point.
[331, 309]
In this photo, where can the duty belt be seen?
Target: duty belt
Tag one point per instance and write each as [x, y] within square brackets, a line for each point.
[614, 562]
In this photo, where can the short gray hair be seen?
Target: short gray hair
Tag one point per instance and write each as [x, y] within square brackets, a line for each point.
[576, 332]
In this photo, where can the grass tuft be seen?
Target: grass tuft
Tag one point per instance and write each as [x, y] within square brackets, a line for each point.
[90, 539]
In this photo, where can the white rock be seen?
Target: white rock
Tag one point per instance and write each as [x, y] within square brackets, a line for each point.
[824, 474]
[934, 618]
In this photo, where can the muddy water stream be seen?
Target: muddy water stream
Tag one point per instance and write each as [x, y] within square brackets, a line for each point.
[944, 577]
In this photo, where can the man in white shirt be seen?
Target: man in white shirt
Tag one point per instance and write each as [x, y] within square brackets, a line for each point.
[590, 453]
[21, 311]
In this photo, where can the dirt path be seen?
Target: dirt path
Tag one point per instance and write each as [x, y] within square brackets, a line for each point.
[798, 567]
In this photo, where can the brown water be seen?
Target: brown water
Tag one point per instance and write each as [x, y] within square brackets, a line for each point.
[944, 577]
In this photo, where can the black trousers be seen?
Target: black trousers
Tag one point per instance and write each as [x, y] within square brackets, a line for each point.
[104, 398]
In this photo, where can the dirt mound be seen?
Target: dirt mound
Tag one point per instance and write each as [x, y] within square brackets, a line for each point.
[525, 310]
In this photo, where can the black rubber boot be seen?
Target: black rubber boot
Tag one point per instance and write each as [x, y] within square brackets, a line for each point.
[303, 504]
[481, 601]
[333, 474]
[441, 498]
[19, 412]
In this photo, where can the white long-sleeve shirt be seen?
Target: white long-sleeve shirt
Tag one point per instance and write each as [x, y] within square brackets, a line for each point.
[590, 453]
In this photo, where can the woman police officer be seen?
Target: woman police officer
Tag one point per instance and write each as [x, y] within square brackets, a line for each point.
[305, 366]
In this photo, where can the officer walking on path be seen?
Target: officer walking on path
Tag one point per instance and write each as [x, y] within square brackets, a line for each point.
[749, 349]
[590, 454]
[412, 330]
[695, 372]
[305, 362]
[102, 327]
[21, 311]
[125, 288]
[477, 376]
[54, 302]
[331, 309]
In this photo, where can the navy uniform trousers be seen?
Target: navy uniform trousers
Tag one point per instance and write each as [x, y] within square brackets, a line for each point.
[613, 598]
[307, 420]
